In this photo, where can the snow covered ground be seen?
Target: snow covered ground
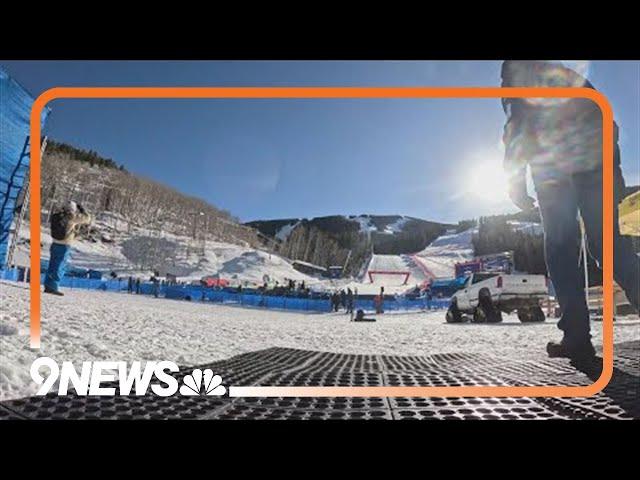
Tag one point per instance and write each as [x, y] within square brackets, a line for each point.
[90, 325]
[238, 263]
[444, 252]
[243, 264]
[246, 265]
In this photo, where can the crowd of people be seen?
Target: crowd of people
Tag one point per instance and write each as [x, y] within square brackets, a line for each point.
[344, 299]
[290, 288]
[134, 285]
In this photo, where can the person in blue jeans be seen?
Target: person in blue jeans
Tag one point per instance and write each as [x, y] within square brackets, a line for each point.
[561, 141]
[64, 226]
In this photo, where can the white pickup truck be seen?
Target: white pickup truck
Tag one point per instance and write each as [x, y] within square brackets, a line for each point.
[486, 295]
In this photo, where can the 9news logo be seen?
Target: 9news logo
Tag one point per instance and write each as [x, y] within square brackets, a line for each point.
[131, 381]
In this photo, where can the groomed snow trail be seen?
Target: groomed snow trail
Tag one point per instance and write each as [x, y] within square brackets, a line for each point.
[445, 251]
[393, 263]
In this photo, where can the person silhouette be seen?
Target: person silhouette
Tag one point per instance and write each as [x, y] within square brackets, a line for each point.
[561, 142]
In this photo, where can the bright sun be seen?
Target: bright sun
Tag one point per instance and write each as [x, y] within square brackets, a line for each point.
[488, 182]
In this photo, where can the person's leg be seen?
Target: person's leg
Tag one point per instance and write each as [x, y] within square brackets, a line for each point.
[65, 259]
[58, 255]
[51, 279]
[559, 211]
[626, 264]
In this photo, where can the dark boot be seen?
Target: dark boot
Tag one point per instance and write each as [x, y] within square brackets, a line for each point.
[53, 292]
[582, 351]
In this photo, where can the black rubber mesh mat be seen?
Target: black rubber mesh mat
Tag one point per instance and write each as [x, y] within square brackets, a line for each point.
[291, 367]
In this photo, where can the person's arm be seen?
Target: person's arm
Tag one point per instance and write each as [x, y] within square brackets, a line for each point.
[515, 165]
[81, 217]
[519, 141]
[516, 145]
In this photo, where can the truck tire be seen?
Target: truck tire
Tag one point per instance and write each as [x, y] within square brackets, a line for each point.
[453, 313]
[486, 312]
[525, 315]
[479, 315]
[537, 314]
[497, 316]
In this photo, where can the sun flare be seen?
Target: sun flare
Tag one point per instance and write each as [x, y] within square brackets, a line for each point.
[488, 182]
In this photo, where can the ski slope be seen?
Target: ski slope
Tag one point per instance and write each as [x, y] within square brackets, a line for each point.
[238, 263]
[436, 260]
[440, 257]
[391, 283]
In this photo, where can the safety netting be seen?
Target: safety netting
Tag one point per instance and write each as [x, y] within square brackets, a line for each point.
[15, 111]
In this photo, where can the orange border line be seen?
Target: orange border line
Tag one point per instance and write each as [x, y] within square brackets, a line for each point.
[357, 92]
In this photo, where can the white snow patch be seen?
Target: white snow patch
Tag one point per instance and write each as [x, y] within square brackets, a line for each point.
[283, 233]
[397, 226]
[365, 223]
[366, 226]
[531, 228]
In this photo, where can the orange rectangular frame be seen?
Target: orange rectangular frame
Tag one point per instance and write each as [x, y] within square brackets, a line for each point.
[356, 92]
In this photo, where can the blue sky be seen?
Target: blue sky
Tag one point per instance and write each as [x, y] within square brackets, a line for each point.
[293, 158]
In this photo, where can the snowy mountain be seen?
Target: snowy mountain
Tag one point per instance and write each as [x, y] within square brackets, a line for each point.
[347, 239]
[140, 252]
[389, 234]
[141, 226]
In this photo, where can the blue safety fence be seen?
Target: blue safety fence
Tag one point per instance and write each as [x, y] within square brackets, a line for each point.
[247, 299]
[12, 275]
[15, 111]
[204, 294]
[111, 285]
[87, 283]
[195, 293]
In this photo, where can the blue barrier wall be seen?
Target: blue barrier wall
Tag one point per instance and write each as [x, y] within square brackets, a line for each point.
[11, 274]
[250, 300]
[291, 303]
[197, 293]
[15, 110]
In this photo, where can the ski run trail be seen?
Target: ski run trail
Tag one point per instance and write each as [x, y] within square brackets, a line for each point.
[249, 266]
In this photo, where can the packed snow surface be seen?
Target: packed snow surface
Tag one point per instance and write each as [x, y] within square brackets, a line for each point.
[87, 325]
[444, 252]
[237, 263]
[393, 263]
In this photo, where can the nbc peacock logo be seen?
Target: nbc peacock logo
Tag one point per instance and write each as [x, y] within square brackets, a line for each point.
[202, 382]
